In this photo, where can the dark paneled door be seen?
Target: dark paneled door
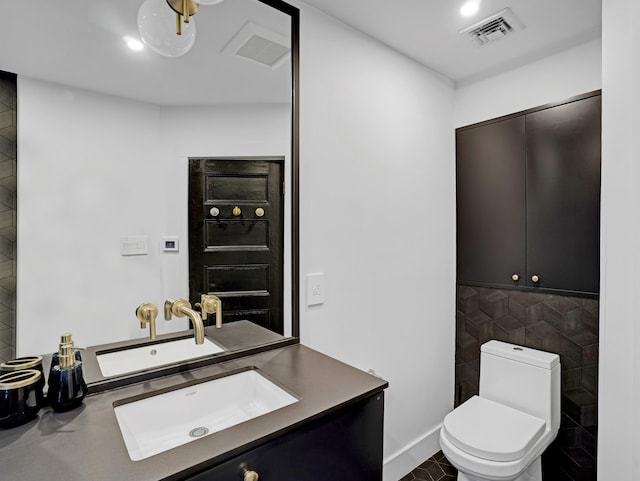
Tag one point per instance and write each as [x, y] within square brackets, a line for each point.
[490, 190]
[236, 236]
[563, 196]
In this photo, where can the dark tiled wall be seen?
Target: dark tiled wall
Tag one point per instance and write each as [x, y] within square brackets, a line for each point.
[564, 325]
[8, 189]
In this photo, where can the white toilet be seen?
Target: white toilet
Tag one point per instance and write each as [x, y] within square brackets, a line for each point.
[500, 434]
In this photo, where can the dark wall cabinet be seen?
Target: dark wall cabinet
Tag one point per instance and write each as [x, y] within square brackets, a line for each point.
[343, 446]
[528, 199]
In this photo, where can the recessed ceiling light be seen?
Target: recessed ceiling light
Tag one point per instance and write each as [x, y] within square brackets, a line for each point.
[469, 8]
[134, 44]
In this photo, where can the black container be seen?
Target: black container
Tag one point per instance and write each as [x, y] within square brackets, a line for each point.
[26, 362]
[20, 397]
[67, 387]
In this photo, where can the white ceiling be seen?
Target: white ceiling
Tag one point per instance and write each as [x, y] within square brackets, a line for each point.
[80, 43]
[427, 30]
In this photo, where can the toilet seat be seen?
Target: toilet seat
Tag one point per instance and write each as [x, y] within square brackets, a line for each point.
[492, 431]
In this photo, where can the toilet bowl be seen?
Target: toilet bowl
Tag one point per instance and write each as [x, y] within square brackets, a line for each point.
[501, 434]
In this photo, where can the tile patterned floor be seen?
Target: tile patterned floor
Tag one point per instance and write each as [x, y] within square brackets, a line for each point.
[436, 468]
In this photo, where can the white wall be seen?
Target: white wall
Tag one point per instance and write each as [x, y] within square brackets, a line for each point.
[619, 378]
[85, 177]
[93, 168]
[557, 77]
[378, 218]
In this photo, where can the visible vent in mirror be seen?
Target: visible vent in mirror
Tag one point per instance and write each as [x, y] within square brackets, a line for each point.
[493, 27]
[261, 45]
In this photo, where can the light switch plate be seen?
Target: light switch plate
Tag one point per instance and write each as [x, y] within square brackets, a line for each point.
[137, 245]
[315, 289]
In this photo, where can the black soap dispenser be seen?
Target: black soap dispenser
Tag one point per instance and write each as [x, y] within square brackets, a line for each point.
[67, 387]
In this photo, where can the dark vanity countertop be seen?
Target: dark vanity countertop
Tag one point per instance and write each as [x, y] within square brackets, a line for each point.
[86, 443]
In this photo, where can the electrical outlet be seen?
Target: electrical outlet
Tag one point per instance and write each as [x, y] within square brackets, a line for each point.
[315, 289]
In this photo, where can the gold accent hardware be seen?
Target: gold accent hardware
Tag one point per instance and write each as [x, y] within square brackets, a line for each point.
[66, 356]
[184, 9]
[535, 278]
[21, 363]
[237, 211]
[67, 352]
[249, 475]
[18, 379]
[515, 278]
[210, 304]
[259, 212]
[182, 308]
[146, 314]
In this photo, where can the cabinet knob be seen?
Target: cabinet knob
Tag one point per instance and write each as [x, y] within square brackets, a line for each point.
[214, 211]
[259, 212]
[249, 475]
[237, 211]
[515, 278]
[535, 278]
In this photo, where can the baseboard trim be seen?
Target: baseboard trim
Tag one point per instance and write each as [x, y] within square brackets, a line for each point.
[403, 461]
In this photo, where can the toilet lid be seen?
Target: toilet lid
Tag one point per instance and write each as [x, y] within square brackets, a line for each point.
[492, 431]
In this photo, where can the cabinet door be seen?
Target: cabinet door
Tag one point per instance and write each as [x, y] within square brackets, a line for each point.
[563, 196]
[491, 202]
[343, 446]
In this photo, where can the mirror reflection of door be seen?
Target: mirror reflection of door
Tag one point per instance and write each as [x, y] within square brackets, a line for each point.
[236, 237]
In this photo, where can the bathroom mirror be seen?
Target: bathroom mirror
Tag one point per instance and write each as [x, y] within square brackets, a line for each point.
[105, 134]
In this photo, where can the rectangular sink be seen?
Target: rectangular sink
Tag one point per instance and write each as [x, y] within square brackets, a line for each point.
[153, 355]
[160, 422]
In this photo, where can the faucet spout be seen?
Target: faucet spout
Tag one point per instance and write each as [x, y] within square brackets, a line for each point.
[182, 308]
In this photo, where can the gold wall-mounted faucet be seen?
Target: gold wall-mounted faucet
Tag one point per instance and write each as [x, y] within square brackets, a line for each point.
[146, 314]
[210, 304]
[181, 308]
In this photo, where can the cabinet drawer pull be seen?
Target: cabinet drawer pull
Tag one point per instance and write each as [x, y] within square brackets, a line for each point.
[535, 278]
[515, 278]
[249, 475]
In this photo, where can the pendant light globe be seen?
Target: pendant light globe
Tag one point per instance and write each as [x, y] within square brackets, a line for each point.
[157, 28]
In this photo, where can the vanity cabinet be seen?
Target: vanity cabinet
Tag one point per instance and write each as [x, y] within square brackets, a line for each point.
[345, 445]
[528, 199]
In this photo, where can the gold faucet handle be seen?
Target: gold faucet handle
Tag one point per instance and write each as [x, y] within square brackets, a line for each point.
[146, 312]
[208, 305]
[167, 309]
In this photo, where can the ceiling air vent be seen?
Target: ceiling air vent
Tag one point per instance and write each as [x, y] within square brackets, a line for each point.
[493, 27]
[260, 45]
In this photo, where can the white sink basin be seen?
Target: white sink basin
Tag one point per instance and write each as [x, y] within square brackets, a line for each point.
[153, 355]
[164, 421]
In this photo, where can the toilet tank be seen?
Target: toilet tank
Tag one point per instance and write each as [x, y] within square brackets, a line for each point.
[523, 378]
